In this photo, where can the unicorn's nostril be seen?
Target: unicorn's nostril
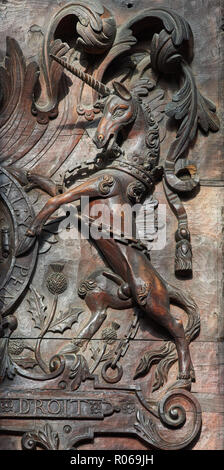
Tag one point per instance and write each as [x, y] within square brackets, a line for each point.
[100, 137]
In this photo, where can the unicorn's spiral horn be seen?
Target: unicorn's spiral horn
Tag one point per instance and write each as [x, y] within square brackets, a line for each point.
[85, 77]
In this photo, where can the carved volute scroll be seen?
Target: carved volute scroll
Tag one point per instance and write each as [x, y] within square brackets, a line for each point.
[95, 30]
[106, 110]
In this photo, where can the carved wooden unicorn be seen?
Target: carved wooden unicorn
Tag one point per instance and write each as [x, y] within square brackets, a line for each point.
[125, 180]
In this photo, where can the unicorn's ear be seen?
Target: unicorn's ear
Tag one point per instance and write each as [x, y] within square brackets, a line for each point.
[122, 91]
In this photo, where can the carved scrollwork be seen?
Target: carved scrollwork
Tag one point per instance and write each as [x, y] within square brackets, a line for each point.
[46, 105]
[172, 414]
[106, 184]
[96, 29]
[86, 286]
[136, 191]
[178, 408]
[95, 26]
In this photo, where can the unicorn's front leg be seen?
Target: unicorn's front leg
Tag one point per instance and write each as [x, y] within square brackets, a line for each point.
[91, 188]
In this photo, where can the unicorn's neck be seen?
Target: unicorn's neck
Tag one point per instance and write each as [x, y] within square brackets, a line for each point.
[135, 144]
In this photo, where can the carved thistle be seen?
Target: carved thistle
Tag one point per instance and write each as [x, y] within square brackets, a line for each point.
[90, 132]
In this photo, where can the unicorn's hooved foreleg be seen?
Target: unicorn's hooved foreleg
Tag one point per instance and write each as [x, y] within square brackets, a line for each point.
[50, 207]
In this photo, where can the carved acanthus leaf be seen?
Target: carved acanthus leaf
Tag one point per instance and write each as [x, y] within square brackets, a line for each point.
[79, 372]
[174, 24]
[124, 40]
[146, 427]
[96, 33]
[142, 87]
[45, 437]
[189, 106]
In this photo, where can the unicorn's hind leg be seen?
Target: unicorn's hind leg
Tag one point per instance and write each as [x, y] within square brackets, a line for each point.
[95, 301]
[154, 301]
[161, 314]
[188, 304]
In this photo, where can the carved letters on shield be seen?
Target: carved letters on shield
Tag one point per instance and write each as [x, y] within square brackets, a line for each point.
[96, 127]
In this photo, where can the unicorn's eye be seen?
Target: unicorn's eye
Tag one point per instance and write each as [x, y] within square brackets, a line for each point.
[118, 112]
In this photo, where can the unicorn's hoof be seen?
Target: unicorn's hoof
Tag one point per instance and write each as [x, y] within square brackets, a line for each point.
[183, 376]
[25, 245]
[30, 233]
[34, 230]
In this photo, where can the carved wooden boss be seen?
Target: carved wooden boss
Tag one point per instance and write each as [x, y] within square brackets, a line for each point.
[74, 380]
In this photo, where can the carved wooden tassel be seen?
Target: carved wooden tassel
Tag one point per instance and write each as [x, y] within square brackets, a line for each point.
[183, 255]
[85, 77]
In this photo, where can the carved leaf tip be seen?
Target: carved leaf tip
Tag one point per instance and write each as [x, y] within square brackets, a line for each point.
[65, 320]
[37, 308]
[207, 117]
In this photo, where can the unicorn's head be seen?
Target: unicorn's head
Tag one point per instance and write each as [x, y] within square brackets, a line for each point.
[119, 110]
[122, 108]
[119, 106]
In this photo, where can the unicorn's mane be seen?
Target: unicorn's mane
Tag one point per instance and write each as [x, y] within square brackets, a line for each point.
[140, 92]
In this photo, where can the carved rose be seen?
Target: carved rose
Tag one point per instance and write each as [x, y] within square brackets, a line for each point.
[95, 407]
[6, 405]
[128, 408]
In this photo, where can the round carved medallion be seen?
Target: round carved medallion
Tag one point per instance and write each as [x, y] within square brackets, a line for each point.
[16, 214]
